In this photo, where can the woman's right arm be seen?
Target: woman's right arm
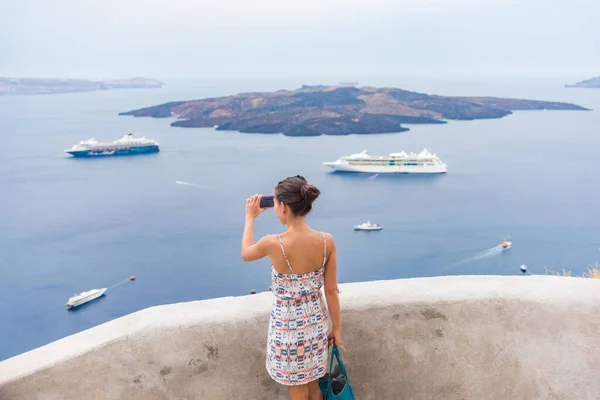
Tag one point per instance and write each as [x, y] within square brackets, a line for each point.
[331, 292]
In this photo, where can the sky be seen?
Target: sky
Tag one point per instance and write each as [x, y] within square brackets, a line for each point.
[346, 40]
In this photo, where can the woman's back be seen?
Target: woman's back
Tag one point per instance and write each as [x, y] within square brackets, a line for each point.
[306, 284]
[305, 251]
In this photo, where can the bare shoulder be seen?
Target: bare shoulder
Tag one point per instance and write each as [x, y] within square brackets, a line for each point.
[271, 239]
[330, 240]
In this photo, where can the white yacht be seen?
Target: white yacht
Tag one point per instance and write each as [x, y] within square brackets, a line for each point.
[399, 163]
[84, 297]
[368, 226]
[523, 268]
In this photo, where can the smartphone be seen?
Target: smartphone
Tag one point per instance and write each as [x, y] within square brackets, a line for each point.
[267, 201]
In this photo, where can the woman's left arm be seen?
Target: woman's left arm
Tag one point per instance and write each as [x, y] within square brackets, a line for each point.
[253, 251]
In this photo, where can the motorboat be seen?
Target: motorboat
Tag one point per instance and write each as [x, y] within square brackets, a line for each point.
[368, 226]
[523, 268]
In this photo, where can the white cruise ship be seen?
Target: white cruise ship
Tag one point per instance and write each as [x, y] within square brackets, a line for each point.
[84, 297]
[398, 163]
[127, 145]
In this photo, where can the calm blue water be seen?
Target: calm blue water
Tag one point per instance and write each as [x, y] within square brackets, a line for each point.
[68, 225]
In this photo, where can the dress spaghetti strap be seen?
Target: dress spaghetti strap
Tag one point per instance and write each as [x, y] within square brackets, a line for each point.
[284, 255]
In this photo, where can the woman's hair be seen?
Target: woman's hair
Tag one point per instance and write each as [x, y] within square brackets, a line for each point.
[297, 194]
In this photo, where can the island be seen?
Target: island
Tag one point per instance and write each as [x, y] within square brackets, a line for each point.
[334, 110]
[589, 83]
[51, 86]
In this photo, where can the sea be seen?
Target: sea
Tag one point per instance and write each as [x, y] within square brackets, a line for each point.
[69, 225]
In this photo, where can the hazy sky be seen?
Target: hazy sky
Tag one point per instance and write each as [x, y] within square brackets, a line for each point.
[302, 38]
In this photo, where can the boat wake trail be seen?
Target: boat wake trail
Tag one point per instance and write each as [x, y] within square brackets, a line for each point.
[118, 284]
[189, 184]
[494, 251]
[372, 177]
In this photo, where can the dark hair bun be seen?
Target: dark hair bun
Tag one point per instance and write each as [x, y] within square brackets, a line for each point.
[297, 194]
[309, 193]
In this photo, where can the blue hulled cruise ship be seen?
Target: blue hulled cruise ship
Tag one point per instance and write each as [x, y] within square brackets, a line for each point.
[127, 145]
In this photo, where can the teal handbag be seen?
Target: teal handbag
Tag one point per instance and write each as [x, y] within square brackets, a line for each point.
[335, 384]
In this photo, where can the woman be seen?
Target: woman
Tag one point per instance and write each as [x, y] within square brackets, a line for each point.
[302, 261]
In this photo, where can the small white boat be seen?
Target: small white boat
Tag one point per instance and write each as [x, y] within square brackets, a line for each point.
[523, 268]
[368, 226]
[84, 297]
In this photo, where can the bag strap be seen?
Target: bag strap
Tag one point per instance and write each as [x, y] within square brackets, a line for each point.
[330, 363]
[335, 352]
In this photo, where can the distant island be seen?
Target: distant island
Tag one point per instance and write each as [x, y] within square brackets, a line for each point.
[51, 86]
[589, 83]
[334, 110]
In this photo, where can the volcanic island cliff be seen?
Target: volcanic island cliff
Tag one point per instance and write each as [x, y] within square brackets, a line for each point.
[335, 110]
[593, 83]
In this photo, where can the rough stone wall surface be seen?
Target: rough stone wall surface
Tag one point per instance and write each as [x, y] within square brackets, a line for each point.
[455, 338]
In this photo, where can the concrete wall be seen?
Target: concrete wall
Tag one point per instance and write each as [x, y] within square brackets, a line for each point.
[535, 337]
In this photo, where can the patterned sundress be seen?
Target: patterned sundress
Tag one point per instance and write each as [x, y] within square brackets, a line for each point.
[297, 341]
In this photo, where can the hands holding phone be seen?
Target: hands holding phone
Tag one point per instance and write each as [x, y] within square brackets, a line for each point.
[257, 204]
